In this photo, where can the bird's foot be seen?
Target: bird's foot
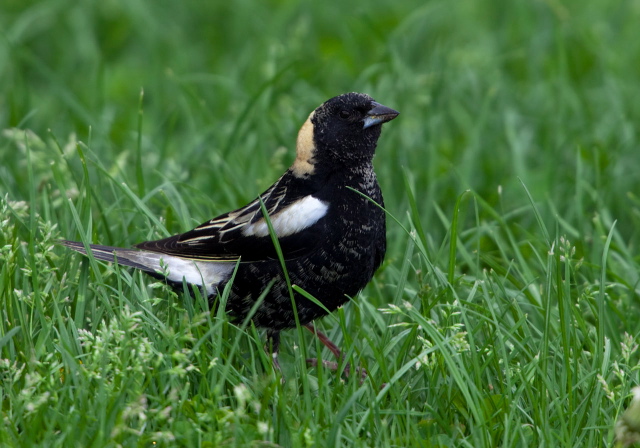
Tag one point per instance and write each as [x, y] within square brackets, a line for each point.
[334, 366]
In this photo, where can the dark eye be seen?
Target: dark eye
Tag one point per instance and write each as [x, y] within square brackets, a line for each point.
[344, 114]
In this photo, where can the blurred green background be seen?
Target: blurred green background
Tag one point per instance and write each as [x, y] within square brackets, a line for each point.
[530, 104]
[489, 91]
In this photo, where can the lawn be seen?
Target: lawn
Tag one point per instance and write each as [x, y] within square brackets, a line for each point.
[506, 311]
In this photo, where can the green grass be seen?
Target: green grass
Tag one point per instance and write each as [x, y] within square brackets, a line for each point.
[506, 312]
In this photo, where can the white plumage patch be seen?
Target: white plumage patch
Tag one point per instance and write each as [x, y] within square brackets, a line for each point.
[202, 273]
[292, 219]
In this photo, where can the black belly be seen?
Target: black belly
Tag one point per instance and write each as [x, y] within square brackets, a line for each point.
[330, 274]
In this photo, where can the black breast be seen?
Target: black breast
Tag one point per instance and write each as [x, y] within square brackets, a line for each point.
[351, 249]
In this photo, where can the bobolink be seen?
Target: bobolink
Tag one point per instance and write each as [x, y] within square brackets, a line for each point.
[332, 236]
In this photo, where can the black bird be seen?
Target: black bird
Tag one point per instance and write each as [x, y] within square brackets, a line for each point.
[331, 235]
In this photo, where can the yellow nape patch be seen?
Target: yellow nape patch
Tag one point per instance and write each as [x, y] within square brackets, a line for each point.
[305, 150]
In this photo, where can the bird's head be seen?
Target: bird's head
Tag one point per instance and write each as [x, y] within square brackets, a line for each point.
[343, 130]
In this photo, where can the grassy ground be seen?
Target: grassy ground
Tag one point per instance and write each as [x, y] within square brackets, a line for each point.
[506, 311]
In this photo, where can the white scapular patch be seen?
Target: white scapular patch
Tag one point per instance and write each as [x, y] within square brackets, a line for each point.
[292, 219]
[207, 274]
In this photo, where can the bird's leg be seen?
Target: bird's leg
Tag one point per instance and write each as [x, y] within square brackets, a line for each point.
[272, 346]
[334, 349]
[325, 340]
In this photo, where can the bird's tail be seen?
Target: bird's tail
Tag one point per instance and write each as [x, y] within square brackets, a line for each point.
[143, 260]
[207, 274]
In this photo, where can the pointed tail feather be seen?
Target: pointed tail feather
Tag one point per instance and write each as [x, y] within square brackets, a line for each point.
[208, 274]
[125, 257]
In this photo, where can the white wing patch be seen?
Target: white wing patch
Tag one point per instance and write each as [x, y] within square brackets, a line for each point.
[207, 274]
[299, 215]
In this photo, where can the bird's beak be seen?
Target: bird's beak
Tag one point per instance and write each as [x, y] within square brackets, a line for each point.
[378, 115]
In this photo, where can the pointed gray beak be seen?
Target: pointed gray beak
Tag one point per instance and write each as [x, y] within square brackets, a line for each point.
[378, 115]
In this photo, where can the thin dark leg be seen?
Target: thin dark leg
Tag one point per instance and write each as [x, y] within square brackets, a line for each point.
[273, 339]
[334, 349]
[325, 340]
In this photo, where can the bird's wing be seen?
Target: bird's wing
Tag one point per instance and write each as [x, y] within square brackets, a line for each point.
[244, 234]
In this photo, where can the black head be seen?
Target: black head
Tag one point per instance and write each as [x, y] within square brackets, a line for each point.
[343, 130]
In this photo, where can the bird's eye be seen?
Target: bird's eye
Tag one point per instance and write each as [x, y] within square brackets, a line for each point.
[344, 114]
